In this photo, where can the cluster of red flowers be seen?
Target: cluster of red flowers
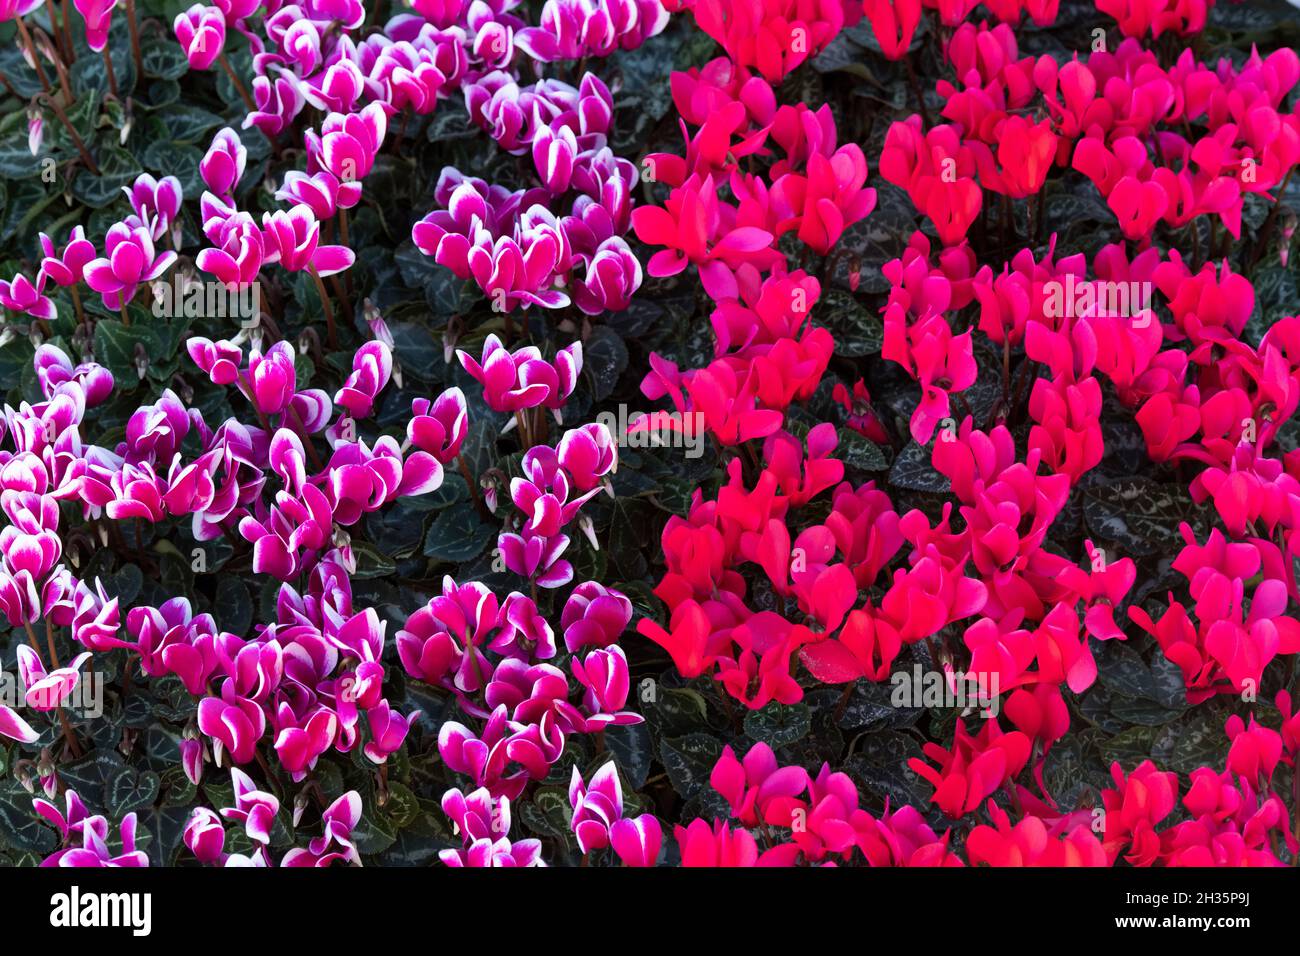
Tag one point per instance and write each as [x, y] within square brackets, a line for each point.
[1230, 817]
[1161, 145]
[981, 585]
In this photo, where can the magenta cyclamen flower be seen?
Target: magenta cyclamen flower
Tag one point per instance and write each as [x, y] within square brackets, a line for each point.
[555, 150]
[16, 8]
[292, 239]
[613, 274]
[587, 454]
[372, 367]
[129, 259]
[219, 360]
[233, 722]
[572, 29]
[94, 851]
[483, 823]
[202, 33]
[223, 165]
[98, 15]
[67, 267]
[96, 618]
[594, 616]
[347, 147]
[439, 427]
[204, 835]
[537, 557]
[238, 249]
[335, 843]
[318, 192]
[604, 675]
[254, 808]
[637, 841]
[523, 379]
[278, 101]
[595, 807]
[15, 728]
[156, 203]
[55, 370]
[21, 295]
[271, 378]
[44, 691]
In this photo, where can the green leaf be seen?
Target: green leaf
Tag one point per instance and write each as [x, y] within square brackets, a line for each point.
[117, 168]
[371, 563]
[633, 750]
[457, 534]
[175, 159]
[859, 452]
[130, 789]
[20, 827]
[187, 123]
[689, 761]
[779, 725]
[857, 332]
[116, 347]
[1140, 515]
[163, 58]
[233, 606]
[913, 470]
[604, 359]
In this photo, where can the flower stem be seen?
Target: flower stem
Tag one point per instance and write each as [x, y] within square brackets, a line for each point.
[72, 133]
[237, 84]
[49, 642]
[108, 68]
[301, 429]
[31, 51]
[325, 307]
[135, 39]
[31, 638]
[473, 489]
[69, 51]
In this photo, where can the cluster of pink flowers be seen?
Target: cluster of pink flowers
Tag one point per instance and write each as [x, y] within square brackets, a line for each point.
[573, 29]
[131, 258]
[255, 812]
[510, 243]
[493, 656]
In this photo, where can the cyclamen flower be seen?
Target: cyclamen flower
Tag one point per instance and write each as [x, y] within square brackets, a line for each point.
[523, 379]
[372, 367]
[67, 267]
[98, 15]
[129, 260]
[439, 427]
[156, 203]
[14, 727]
[201, 31]
[594, 616]
[292, 239]
[336, 842]
[253, 808]
[223, 165]
[573, 29]
[483, 823]
[21, 295]
[42, 691]
[595, 807]
[204, 836]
